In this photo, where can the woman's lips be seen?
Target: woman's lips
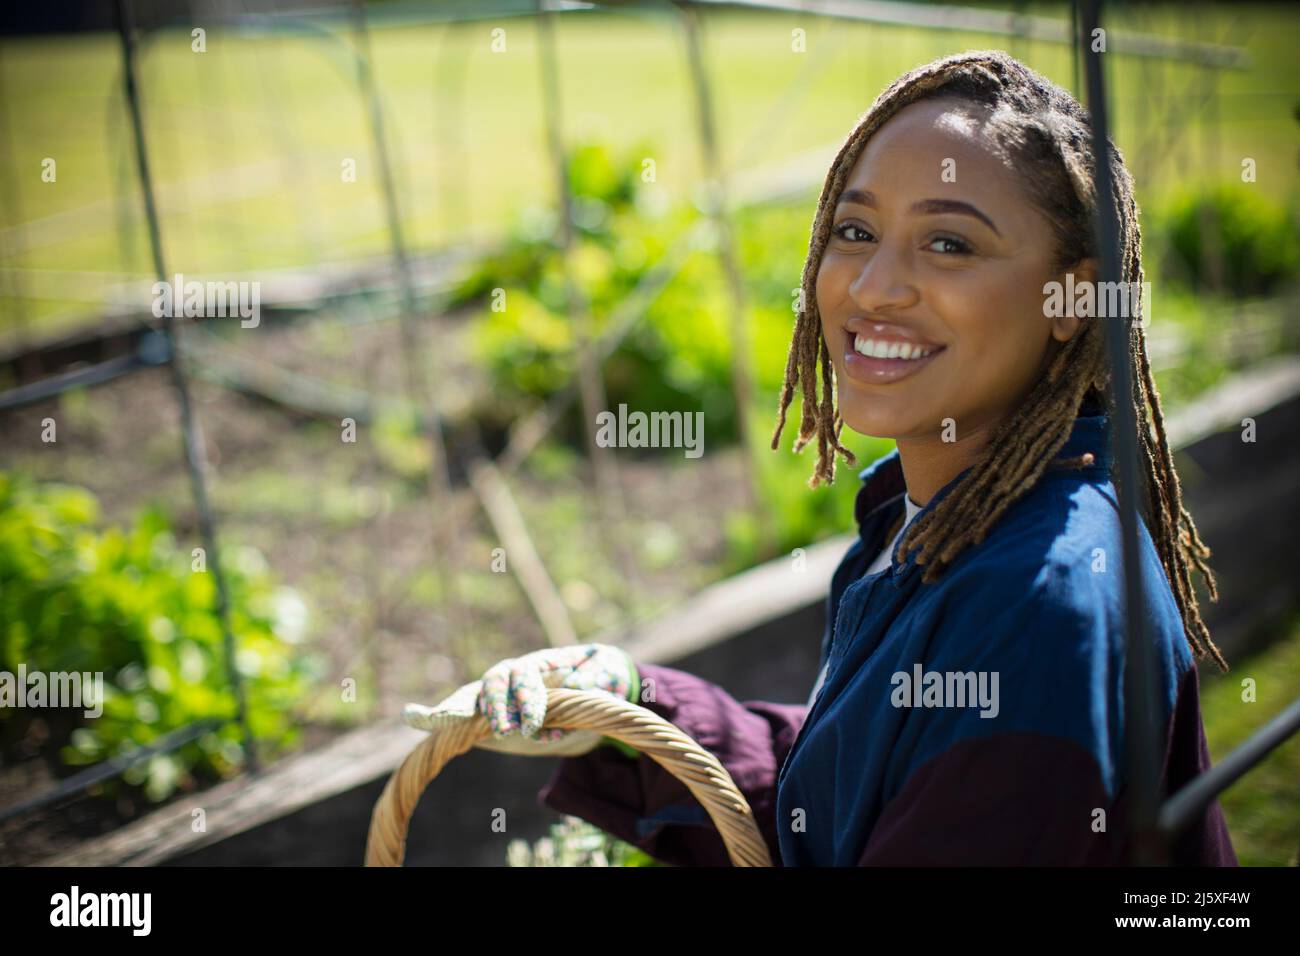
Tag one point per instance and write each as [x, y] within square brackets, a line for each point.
[876, 370]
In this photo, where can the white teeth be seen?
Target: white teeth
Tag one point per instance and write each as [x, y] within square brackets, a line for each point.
[882, 349]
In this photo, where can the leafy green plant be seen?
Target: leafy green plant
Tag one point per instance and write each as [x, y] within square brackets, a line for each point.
[128, 603]
[575, 842]
[1254, 239]
[676, 357]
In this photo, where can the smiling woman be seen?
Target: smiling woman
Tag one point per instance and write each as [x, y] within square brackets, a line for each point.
[935, 276]
[969, 708]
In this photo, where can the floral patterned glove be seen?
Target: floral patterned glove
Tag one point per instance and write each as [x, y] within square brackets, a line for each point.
[513, 696]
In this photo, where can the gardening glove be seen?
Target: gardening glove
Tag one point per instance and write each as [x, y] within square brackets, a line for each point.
[512, 696]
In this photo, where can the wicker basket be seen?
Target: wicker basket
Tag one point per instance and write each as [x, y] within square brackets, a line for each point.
[630, 723]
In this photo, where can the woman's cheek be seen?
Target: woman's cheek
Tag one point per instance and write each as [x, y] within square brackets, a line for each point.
[832, 286]
[1002, 359]
[982, 356]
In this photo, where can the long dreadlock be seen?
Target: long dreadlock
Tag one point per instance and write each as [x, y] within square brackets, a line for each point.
[1046, 131]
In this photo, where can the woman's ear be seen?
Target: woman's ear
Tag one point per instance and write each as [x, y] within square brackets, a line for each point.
[1065, 325]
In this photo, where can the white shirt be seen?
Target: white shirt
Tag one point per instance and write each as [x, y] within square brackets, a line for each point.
[883, 560]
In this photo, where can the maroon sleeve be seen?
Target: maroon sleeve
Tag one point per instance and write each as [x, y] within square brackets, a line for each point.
[640, 802]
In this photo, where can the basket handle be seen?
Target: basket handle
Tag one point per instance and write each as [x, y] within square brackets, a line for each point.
[666, 744]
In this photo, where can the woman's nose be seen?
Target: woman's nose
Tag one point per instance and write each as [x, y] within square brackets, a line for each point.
[885, 280]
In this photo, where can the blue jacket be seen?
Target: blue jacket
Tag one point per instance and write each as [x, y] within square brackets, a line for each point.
[975, 719]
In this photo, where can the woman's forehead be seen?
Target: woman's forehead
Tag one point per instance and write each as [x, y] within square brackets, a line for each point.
[936, 143]
[939, 128]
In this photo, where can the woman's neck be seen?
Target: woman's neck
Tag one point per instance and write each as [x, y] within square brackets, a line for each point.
[930, 463]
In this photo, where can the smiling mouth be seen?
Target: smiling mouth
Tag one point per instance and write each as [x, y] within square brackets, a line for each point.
[887, 349]
[883, 360]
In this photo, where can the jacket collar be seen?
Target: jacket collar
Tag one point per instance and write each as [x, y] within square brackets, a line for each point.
[880, 499]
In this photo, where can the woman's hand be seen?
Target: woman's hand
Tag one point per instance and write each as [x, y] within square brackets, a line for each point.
[513, 696]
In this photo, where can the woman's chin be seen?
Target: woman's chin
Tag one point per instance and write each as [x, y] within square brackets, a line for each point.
[873, 424]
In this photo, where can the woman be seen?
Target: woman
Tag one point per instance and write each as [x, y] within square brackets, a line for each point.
[970, 704]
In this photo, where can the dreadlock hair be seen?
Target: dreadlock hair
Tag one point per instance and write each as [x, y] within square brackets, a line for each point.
[1046, 132]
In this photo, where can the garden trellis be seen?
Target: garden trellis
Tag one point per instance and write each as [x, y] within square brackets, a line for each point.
[188, 350]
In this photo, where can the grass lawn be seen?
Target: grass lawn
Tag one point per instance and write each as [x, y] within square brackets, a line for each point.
[1263, 808]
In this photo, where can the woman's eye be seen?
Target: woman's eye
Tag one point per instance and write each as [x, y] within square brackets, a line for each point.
[845, 227]
[954, 247]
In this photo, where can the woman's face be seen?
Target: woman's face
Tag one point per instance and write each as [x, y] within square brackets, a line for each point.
[931, 285]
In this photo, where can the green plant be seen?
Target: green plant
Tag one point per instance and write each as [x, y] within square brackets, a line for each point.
[1253, 239]
[131, 604]
[676, 357]
[574, 842]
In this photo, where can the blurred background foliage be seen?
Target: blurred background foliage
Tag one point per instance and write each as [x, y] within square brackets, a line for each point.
[1222, 239]
[677, 355]
[124, 601]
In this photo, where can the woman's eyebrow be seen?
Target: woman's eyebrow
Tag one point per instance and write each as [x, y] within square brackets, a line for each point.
[956, 206]
[862, 197]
